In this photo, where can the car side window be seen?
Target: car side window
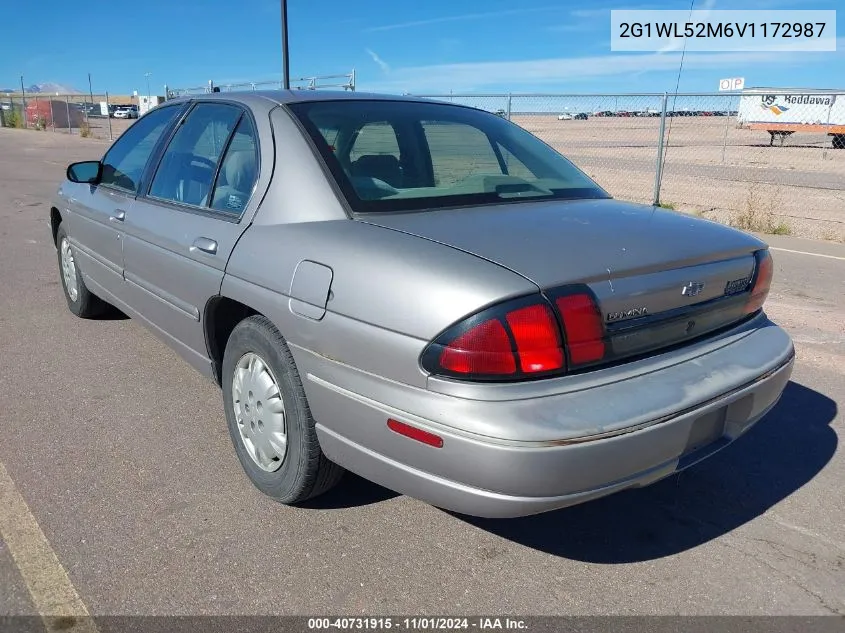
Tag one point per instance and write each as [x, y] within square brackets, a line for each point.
[238, 171]
[188, 166]
[125, 161]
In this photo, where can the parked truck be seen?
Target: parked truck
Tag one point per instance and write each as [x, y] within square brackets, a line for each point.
[782, 112]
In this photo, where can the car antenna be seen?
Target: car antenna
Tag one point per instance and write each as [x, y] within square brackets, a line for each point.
[675, 97]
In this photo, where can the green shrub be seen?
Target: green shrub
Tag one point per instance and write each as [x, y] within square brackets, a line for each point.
[12, 118]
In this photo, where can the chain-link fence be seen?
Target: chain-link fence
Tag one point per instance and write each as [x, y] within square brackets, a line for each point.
[766, 160]
[89, 115]
[763, 160]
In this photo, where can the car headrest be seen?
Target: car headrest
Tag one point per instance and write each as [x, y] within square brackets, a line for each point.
[240, 169]
[384, 167]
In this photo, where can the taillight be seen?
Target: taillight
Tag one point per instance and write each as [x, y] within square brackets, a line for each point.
[535, 332]
[582, 326]
[517, 338]
[762, 281]
[483, 349]
[521, 339]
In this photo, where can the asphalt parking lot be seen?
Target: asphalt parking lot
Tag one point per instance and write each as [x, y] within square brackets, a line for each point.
[119, 486]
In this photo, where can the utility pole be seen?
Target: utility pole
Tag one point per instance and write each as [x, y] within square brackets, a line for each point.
[285, 61]
[147, 75]
[90, 94]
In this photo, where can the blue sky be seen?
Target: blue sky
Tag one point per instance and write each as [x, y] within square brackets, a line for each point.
[419, 47]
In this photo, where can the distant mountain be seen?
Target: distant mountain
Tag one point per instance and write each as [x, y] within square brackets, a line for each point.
[53, 88]
[45, 88]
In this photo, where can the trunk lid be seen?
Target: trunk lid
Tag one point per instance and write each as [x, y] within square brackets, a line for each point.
[646, 266]
[571, 241]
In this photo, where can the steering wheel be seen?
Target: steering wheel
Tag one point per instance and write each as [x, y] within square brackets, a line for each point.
[202, 160]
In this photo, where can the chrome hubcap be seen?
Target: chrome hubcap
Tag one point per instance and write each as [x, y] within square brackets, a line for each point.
[259, 412]
[69, 270]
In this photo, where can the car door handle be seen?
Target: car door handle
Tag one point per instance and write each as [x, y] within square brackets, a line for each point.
[205, 245]
[119, 216]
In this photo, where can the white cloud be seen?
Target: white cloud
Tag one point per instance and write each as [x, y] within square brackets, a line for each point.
[458, 18]
[574, 27]
[590, 13]
[385, 67]
[537, 73]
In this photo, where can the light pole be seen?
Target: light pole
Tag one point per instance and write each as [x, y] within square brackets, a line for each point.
[147, 75]
[285, 63]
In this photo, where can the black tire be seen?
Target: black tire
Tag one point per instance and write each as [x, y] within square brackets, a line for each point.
[305, 472]
[86, 305]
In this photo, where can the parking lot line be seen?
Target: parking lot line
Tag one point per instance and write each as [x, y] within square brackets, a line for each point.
[789, 250]
[53, 594]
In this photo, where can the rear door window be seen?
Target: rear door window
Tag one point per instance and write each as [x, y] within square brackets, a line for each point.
[238, 171]
[189, 165]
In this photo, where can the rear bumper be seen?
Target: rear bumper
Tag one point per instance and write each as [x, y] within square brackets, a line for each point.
[495, 477]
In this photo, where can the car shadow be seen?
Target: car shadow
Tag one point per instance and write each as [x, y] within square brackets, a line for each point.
[110, 313]
[779, 455]
[351, 492]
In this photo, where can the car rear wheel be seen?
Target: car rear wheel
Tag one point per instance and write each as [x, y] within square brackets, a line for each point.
[80, 300]
[269, 418]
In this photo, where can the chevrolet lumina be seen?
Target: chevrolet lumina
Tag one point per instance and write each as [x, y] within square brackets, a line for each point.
[424, 294]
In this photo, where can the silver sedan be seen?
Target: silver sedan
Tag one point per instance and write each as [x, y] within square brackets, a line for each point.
[424, 294]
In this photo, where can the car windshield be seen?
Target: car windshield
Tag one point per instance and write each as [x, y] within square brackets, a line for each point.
[389, 156]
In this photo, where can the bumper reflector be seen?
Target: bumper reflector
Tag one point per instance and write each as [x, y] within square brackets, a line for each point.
[414, 433]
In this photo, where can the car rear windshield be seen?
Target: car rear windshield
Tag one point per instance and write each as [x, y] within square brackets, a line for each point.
[391, 156]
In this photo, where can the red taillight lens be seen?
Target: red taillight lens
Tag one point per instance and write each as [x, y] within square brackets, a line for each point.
[762, 282]
[583, 327]
[518, 338]
[521, 338]
[483, 349]
[537, 340]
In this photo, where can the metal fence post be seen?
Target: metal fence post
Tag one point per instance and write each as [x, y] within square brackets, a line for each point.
[108, 115]
[23, 105]
[509, 106]
[658, 172]
[67, 108]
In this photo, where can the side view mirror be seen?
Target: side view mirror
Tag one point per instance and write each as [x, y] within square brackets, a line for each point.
[88, 171]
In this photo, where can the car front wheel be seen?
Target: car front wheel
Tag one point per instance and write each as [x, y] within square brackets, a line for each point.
[79, 299]
[269, 420]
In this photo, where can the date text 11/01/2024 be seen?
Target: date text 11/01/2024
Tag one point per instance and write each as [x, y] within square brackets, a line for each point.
[722, 29]
[417, 623]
